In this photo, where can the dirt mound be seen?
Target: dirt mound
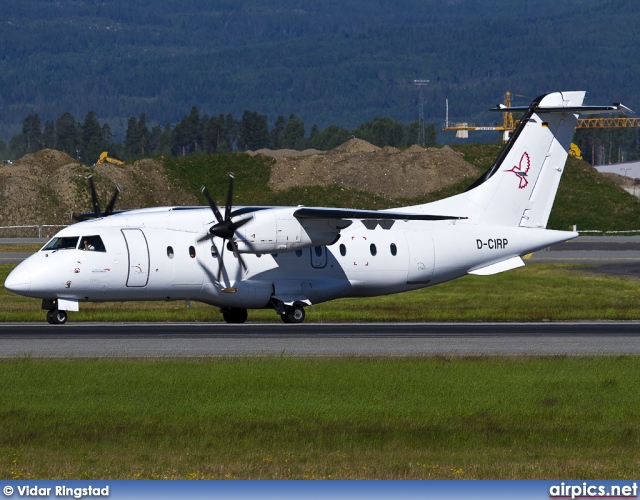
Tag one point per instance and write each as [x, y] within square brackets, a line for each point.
[278, 153]
[359, 165]
[355, 145]
[629, 184]
[47, 186]
[416, 149]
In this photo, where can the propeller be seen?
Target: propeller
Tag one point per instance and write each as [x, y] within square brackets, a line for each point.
[225, 228]
[97, 213]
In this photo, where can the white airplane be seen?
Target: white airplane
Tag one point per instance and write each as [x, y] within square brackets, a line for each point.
[286, 258]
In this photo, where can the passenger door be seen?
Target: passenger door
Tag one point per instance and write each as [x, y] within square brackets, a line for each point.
[138, 252]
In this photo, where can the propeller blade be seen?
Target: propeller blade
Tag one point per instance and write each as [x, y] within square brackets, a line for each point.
[227, 213]
[94, 199]
[212, 204]
[205, 238]
[221, 262]
[240, 223]
[237, 252]
[112, 202]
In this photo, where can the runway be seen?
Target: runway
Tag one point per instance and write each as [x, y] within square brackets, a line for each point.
[188, 340]
[615, 255]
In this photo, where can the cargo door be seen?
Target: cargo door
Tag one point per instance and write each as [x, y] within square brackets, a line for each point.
[421, 257]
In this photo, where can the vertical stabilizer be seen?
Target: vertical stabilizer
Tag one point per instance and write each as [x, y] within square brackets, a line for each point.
[520, 187]
[526, 176]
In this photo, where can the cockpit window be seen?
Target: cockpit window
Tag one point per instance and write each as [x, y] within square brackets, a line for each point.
[62, 243]
[92, 244]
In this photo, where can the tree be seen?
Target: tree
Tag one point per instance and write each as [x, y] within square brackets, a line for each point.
[187, 136]
[49, 135]
[143, 135]
[4, 151]
[277, 133]
[92, 144]
[67, 136]
[254, 131]
[293, 136]
[329, 138]
[131, 138]
[32, 133]
[164, 141]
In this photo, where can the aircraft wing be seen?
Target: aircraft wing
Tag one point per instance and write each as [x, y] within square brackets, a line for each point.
[348, 213]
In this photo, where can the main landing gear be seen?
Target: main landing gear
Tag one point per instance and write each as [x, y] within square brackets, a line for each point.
[234, 315]
[293, 314]
[56, 317]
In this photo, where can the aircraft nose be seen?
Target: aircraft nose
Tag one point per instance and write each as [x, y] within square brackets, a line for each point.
[19, 280]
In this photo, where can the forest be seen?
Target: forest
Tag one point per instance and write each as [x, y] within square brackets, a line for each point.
[332, 62]
[199, 133]
[196, 133]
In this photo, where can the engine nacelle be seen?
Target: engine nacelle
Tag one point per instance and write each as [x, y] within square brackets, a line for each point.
[276, 230]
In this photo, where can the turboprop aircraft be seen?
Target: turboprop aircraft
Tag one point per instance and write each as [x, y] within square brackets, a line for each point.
[287, 258]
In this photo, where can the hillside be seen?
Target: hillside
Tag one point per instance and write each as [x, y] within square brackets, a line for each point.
[330, 62]
[46, 187]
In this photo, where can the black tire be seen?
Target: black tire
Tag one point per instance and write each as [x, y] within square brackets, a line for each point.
[294, 314]
[56, 317]
[235, 315]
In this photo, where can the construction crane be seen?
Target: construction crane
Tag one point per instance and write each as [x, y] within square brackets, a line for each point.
[509, 123]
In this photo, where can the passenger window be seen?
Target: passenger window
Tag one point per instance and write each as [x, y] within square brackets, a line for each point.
[170, 252]
[318, 251]
[373, 249]
[192, 252]
[298, 253]
[62, 243]
[92, 244]
[394, 249]
[214, 251]
[343, 249]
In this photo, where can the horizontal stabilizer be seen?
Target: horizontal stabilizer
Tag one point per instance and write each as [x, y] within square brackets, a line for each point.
[347, 213]
[583, 110]
[499, 267]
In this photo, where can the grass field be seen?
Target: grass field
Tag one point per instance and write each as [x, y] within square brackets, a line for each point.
[344, 418]
[292, 418]
[536, 292]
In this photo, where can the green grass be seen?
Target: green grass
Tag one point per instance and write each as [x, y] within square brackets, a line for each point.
[536, 292]
[292, 418]
[585, 198]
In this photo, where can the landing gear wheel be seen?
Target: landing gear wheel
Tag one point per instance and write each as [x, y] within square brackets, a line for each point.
[234, 315]
[293, 314]
[56, 317]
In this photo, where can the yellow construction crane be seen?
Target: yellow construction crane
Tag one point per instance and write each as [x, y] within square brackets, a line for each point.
[608, 123]
[509, 124]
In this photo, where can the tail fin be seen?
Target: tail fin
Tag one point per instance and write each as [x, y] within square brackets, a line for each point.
[520, 187]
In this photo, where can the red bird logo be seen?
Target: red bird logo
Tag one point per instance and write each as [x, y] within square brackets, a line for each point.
[521, 170]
